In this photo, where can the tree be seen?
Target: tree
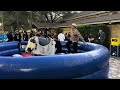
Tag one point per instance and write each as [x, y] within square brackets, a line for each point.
[24, 19]
[10, 20]
[51, 16]
[58, 30]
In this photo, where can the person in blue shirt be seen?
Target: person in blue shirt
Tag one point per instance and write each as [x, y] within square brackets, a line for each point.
[5, 38]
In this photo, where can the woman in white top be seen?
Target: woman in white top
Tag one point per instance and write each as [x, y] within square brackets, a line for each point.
[61, 37]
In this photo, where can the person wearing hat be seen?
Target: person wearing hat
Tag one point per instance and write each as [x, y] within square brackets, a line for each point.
[74, 38]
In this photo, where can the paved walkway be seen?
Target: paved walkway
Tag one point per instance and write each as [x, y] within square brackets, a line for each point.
[114, 72]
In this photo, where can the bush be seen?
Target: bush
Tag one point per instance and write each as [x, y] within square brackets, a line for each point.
[58, 30]
[85, 30]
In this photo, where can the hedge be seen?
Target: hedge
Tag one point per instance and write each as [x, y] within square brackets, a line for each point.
[58, 30]
[85, 30]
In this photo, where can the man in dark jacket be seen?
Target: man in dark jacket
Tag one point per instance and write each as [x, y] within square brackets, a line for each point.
[10, 36]
[17, 36]
[25, 36]
[58, 45]
[101, 37]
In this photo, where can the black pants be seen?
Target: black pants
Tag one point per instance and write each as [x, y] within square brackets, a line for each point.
[74, 46]
[101, 42]
[19, 47]
[59, 47]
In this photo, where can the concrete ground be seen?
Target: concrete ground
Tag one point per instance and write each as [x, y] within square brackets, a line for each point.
[114, 71]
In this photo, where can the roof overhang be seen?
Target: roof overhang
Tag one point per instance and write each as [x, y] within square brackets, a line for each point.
[88, 15]
[112, 21]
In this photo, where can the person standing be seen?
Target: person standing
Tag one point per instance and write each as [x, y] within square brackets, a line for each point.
[5, 37]
[17, 36]
[10, 36]
[66, 36]
[58, 45]
[101, 37]
[1, 36]
[25, 36]
[91, 38]
[32, 34]
[61, 37]
[74, 38]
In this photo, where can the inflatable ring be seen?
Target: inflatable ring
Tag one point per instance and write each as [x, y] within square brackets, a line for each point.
[91, 64]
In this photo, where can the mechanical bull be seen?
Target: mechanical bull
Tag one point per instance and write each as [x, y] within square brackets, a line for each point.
[41, 46]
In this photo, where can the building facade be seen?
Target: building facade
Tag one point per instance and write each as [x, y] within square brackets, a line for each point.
[110, 18]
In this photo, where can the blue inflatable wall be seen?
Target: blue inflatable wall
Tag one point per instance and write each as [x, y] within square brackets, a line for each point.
[92, 64]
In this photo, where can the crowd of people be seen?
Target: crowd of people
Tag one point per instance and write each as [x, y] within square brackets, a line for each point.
[6, 36]
[90, 37]
[3, 36]
[72, 37]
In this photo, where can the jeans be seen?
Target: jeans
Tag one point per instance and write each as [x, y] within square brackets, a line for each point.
[74, 46]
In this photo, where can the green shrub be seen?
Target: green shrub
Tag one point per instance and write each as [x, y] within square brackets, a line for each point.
[85, 30]
[58, 30]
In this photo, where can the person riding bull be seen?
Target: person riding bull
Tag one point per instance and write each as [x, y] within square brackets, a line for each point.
[74, 38]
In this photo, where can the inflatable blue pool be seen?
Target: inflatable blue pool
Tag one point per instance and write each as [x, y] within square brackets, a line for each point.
[91, 64]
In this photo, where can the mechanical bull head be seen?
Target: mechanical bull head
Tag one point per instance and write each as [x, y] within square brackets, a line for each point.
[41, 46]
